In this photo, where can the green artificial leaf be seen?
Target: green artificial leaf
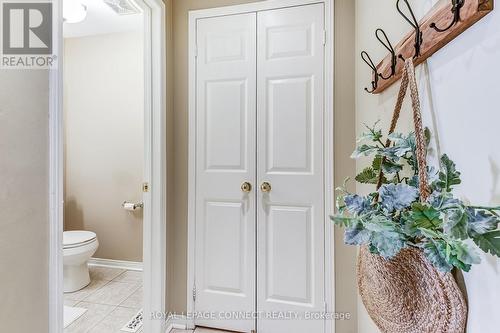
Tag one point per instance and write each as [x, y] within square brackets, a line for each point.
[339, 201]
[413, 163]
[369, 176]
[444, 201]
[463, 255]
[422, 216]
[377, 163]
[397, 196]
[435, 251]
[465, 252]
[413, 181]
[344, 221]
[404, 144]
[431, 233]
[455, 223]
[380, 223]
[388, 244]
[391, 167]
[397, 138]
[455, 252]
[489, 242]
[448, 176]
[394, 153]
[386, 238]
[481, 222]
[373, 134]
[357, 235]
[364, 150]
[373, 249]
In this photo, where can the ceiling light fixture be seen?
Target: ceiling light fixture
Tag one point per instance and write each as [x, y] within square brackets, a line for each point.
[74, 12]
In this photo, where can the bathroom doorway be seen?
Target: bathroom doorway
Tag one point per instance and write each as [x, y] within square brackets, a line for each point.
[108, 168]
[103, 111]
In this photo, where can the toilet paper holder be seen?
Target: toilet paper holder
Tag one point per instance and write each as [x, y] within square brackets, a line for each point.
[132, 206]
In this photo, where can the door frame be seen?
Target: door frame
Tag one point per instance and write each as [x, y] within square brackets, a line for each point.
[329, 187]
[154, 221]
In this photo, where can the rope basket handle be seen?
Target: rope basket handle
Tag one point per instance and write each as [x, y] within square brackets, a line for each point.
[409, 79]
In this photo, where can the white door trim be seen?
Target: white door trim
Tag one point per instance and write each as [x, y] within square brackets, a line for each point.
[56, 179]
[154, 239]
[328, 138]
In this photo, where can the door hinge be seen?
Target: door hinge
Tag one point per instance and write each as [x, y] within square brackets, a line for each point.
[196, 51]
[325, 34]
[326, 307]
[145, 187]
[194, 293]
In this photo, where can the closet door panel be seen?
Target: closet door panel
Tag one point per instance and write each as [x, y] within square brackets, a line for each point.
[225, 251]
[291, 219]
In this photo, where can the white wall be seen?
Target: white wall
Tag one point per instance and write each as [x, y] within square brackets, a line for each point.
[465, 89]
[104, 140]
[460, 93]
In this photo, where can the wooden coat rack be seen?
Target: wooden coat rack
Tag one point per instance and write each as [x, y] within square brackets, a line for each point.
[439, 27]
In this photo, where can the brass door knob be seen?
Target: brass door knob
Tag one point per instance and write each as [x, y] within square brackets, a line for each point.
[246, 187]
[265, 187]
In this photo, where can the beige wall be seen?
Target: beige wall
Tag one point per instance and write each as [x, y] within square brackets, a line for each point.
[24, 203]
[344, 144]
[345, 256]
[104, 140]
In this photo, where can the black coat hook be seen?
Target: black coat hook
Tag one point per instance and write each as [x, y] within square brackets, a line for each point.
[455, 9]
[368, 60]
[414, 23]
[387, 44]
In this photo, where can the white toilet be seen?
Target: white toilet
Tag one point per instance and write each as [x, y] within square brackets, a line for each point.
[78, 248]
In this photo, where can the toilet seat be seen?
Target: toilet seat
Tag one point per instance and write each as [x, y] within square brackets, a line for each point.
[72, 239]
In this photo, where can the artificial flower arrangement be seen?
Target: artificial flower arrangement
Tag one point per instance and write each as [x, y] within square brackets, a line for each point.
[447, 230]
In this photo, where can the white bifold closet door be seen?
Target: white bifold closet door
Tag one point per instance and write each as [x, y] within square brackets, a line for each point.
[291, 217]
[225, 159]
[259, 116]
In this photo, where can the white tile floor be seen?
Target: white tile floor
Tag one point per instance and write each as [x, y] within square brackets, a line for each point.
[113, 297]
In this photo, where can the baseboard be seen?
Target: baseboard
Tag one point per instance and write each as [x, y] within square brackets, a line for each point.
[171, 327]
[178, 322]
[122, 264]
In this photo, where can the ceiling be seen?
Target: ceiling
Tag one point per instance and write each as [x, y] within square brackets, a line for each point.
[101, 19]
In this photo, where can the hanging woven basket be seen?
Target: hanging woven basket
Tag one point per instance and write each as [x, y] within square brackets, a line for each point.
[407, 294]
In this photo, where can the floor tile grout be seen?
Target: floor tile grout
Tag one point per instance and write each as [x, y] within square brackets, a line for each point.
[129, 297]
[99, 321]
[93, 292]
